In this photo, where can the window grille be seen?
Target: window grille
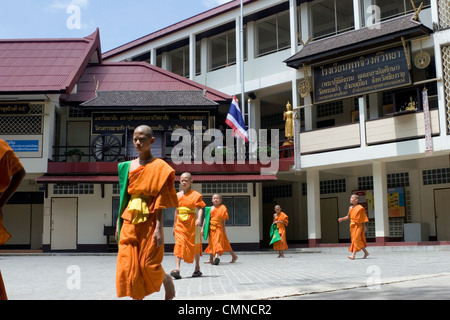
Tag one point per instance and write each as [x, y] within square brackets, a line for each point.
[444, 13]
[24, 124]
[73, 189]
[446, 69]
[221, 188]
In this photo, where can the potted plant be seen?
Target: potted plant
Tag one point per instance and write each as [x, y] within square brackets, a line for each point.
[74, 154]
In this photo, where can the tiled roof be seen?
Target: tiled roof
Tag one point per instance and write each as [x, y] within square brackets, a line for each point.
[149, 98]
[134, 76]
[45, 65]
[350, 42]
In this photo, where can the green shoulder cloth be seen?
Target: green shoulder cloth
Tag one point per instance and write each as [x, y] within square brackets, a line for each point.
[274, 234]
[124, 169]
[207, 219]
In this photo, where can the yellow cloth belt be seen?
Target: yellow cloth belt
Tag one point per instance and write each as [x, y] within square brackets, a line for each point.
[214, 224]
[184, 212]
[138, 206]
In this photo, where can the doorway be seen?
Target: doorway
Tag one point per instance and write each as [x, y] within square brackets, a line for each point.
[64, 224]
[329, 220]
[442, 214]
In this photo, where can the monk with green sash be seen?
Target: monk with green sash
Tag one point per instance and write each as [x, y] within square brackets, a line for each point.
[214, 230]
[146, 189]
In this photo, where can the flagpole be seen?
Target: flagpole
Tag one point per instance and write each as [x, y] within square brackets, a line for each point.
[242, 61]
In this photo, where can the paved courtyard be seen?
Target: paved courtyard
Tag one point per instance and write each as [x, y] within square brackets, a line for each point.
[303, 274]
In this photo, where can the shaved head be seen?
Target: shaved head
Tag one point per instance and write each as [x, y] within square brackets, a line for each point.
[145, 130]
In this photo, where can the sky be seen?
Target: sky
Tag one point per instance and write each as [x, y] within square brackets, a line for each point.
[119, 21]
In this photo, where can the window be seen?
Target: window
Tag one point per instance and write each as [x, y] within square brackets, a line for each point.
[329, 18]
[273, 34]
[73, 189]
[222, 50]
[179, 61]
[238, 208]
[390, 8]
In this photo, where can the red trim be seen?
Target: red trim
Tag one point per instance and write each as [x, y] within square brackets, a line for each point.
[106, 179]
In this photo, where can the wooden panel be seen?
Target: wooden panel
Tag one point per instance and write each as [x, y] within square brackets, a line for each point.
[400, 127]
[336, 138]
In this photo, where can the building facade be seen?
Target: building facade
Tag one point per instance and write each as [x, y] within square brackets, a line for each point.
[368, 81]
[365, 129]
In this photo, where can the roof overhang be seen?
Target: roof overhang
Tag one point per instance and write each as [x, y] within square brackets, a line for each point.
[143, 100]
[349, 43]
[112, 179]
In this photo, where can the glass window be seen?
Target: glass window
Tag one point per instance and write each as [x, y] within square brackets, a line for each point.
[330, 18]
[273, 34]
[238, 208]
[179, 61]
[223, 50]
[390, 8]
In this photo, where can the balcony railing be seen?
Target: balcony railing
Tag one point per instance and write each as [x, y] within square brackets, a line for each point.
[402, 127]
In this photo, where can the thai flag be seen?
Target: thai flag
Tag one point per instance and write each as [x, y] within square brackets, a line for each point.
[236, 121]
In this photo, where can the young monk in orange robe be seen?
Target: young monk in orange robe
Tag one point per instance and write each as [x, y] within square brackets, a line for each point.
[358, 219]
[281, 220]
[186, 228]
[218, 242]
[140, 226]
[11, 175]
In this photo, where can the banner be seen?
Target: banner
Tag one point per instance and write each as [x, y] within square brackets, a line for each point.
[427, 119]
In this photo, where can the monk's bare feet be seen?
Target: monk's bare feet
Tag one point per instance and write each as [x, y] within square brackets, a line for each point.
[366, 255]
[169, 287]
[351, 257]
[233, 260]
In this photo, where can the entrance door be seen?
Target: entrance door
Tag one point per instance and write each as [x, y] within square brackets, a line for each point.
[441, 205]
[328, 220]
[64, 224]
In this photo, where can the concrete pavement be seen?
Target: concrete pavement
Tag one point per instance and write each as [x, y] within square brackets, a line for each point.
[324, 273]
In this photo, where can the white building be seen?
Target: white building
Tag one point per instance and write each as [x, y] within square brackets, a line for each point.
[364, 60]
[360, 140]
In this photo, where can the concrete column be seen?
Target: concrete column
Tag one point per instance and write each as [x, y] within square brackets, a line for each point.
[313, 189]
[380, 202]
[362, 120]
[192, 54]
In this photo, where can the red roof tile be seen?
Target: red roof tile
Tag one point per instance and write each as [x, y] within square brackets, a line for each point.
[45, 65]
[134, 76]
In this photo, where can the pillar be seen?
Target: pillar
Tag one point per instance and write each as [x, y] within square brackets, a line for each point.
[380, 202]
[313, 189]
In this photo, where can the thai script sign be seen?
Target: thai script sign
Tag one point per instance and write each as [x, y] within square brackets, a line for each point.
[117, 123]
[15, 109]
[361, 75]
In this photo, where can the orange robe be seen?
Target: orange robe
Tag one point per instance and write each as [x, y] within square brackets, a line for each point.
[282, 244]
[139, 270]
[218, 240]
[9, 166]
[188, 240]
[357, 219]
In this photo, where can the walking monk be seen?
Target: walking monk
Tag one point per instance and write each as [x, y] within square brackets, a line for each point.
[146, 188]
[187, 227]
[280, 219]
[11, 175]
[358, 219]
[214, 228]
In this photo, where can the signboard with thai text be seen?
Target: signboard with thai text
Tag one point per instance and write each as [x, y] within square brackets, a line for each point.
[361, 75]
[118, 123]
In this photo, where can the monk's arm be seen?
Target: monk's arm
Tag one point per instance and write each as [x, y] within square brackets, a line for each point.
[198, 223]
[158, 234]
